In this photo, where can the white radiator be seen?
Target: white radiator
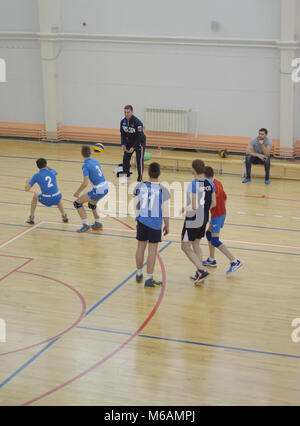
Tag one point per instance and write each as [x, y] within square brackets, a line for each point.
[167, 119]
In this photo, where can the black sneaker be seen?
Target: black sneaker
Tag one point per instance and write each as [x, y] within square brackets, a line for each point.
[30, 220]
[194, 277]
[201, 275]
[139, 278]
[152, 283]
[65, 219]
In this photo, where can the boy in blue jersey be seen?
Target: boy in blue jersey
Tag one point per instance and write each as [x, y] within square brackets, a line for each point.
[201, 198]
[91, 171]
[152, 203]
[50, 196]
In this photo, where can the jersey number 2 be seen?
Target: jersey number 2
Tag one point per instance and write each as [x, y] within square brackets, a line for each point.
[48, 179]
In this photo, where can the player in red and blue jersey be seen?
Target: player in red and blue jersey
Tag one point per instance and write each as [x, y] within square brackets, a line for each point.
[218, 215]
[50, 196]
[91, 172]
[200, 198]
[152, 204]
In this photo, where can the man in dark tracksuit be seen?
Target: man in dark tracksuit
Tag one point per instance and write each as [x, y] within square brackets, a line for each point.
[132, 139]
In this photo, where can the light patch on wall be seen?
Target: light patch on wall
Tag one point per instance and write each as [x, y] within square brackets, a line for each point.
[2, 71]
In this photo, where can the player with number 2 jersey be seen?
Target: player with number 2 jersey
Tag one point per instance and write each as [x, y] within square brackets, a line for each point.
[50, 195]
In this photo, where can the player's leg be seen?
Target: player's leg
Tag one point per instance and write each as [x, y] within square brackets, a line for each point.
[139, 256]
[188, 236]
[78, 204]
[210, 261]
[62, 211]
[95, 196]
[154, 238]
[126, 163]
[140, 162]
[33, 205]
[248, 163]
[234, 263]
[267, 165]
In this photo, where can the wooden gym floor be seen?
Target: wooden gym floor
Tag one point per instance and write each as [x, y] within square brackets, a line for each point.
[80, 331]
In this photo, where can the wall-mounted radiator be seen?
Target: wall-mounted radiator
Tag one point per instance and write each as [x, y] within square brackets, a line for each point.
[167, 119]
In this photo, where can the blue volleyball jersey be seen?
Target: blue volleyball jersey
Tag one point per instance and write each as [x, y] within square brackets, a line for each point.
[204, 189]
[92, 169]
[151, 196]
[46, 179]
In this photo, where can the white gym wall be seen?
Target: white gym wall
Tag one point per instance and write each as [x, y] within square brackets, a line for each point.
[147, 53]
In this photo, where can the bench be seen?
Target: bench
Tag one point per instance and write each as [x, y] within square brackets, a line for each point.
[220, 162]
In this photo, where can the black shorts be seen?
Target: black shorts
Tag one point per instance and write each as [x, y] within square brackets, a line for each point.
[144, 233]
[192, 234]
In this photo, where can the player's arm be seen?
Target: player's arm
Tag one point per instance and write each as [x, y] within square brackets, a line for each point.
[123, 137]
[82, 186]
[266, 149]
[213, 200]
[165, 208]
[192, 206]
[29, 183]
[250, 151]
[139, 129]
[27, 186]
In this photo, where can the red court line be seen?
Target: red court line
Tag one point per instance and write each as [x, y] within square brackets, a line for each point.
[15, 270]
[118, 349]
[83, 309]
[28, 177]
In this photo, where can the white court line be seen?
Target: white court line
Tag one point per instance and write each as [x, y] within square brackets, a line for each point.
[179, 235]
[20, 234]
[132, 230]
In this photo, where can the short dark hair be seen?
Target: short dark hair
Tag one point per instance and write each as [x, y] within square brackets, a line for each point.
[128, 107]
[209, 172]
[41, 163]
[154, 170]
[198, 166]
[86, 151]
[264, 130]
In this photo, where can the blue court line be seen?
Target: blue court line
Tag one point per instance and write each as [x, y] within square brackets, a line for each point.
[27, 363]
[189, 342]
[104, 234]
[171, 218]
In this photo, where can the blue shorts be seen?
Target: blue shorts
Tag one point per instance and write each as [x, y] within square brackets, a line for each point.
[97, 193]
[217, 223]
[49, 201]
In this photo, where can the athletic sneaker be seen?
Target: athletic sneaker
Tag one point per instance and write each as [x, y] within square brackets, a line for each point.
[85, 228]
[201, 275]
[97, 226]
[30, 220]
[246, 180]
[152, 283]
[194, 277]
[139, 278]
[210, 263]
[267, 181]
[234, 266]
[65, 219]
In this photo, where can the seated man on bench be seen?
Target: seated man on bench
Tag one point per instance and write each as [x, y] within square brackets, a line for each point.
[259, 152]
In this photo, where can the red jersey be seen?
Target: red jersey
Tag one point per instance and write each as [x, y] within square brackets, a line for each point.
[221, 197]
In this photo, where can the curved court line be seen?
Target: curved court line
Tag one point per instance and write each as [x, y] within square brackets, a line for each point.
[78, 294]
[118, 349]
